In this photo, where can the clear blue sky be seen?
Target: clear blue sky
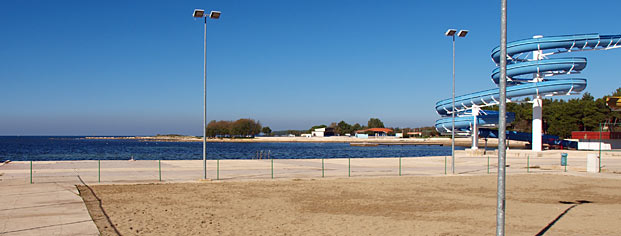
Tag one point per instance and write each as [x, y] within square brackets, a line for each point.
[135, 67]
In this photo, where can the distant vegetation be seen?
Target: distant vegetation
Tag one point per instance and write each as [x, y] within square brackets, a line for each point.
[560, 117]
[240, 128]
[343, 128]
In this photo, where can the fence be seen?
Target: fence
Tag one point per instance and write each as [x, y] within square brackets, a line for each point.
[123, 171]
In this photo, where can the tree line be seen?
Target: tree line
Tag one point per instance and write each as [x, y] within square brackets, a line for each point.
[560, 117]
[238, 128]
[343, 128]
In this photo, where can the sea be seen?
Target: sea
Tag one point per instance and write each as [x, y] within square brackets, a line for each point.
[61, 148]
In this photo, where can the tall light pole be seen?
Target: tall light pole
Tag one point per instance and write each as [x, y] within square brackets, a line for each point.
[502, 123]
[451, 33]
[200, 13]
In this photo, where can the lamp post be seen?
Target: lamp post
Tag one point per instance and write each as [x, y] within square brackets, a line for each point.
[200, 13]
[451, 33]
[502, 124]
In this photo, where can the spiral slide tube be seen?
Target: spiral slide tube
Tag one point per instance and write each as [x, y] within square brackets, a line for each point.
[528, 75]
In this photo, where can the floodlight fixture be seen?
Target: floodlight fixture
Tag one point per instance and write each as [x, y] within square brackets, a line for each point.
[214, 14]
[450, 32]
[462, 33]
[198, 13]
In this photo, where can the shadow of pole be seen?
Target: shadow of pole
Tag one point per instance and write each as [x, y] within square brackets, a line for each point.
[575, 204]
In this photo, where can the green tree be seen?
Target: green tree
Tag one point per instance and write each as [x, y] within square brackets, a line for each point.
[356, 127]
[266, 130]
[246, 127]
[216, 128]
[343, 128]
[375, 123]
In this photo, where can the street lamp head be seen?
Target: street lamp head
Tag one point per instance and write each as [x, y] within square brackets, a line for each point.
[450, 32]
[462, 33]
[215, 14]
[198, 13]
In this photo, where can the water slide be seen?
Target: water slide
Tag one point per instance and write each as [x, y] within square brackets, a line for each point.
[529, 74]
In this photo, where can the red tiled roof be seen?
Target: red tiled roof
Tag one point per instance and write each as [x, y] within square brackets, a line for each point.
[385, 130]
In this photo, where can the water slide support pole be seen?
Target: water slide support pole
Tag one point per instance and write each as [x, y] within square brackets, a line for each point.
[537, 108]
[537, 124]
[475, 128]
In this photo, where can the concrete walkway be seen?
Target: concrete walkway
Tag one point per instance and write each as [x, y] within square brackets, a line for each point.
[43, 209]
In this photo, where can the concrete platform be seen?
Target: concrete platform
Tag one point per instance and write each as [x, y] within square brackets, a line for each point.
[43, 209]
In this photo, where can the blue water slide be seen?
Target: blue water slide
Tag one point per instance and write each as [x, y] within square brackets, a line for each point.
[547, 66]
[492, 97]
[463, 123]
[526, 77]
[564, 43]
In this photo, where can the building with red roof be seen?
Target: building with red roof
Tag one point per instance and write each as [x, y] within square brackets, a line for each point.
[376, 131]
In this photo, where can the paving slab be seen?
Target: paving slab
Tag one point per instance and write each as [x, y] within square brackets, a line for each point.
[43, 209]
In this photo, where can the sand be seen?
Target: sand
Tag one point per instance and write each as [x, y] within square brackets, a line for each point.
[553, 204]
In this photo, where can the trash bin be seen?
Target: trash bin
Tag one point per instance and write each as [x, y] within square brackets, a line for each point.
[563, 159]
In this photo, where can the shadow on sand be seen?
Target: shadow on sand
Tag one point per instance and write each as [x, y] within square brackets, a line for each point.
[573, 204]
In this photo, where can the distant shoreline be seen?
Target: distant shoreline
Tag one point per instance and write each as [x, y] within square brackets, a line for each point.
[465, 142]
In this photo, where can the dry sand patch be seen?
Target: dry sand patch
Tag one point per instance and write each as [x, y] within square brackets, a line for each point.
[445, 205]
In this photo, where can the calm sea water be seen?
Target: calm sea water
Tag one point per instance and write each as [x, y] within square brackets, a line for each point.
[18, 148]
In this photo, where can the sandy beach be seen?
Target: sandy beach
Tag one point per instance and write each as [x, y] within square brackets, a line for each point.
[553, 204]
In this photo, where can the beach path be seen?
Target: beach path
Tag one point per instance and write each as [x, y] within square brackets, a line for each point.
[43, 209]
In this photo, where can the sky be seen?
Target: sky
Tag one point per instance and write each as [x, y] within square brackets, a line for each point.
[136, 67]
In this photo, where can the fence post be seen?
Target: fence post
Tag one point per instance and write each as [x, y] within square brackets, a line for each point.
[322, 171]
[218, 169]
[399, 166]
[349, 166]
[272, 168]
[488, 164]
[527, 163]
[159, 169]
[99, 171]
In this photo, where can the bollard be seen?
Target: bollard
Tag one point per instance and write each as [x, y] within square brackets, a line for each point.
[399, 166]
[218, 169]
[159, 169]
[272, 168]
[322, 171]
[30, 172]
[99, 171]
[349, 167]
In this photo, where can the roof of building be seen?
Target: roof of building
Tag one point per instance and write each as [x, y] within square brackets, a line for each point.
[385, 130]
